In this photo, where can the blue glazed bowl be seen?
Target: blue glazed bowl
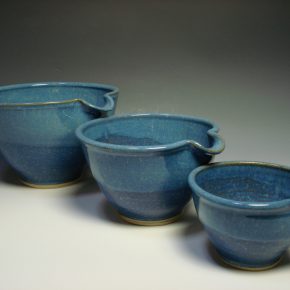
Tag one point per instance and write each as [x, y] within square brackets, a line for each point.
[245, 209]
[141, 162]
[37, 128]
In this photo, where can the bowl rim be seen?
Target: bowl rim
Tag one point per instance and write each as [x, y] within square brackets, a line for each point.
[215, 199]
[112, 90]
[217, 147]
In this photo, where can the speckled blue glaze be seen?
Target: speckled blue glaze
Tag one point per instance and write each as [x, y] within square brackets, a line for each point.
[141, 162]
[245, 208]
[37, 127]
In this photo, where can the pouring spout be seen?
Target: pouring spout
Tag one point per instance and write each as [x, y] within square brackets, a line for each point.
[218, 143]
[100, 111]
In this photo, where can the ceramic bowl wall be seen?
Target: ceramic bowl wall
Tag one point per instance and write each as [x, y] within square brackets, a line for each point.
[245, 208]
[141, 162]
[37, 125]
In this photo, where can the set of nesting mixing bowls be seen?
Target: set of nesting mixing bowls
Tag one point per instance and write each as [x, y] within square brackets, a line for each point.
[147, 165]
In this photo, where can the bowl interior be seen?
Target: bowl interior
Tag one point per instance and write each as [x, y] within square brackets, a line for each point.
[39, 93]
[149, 130]
[246, 182]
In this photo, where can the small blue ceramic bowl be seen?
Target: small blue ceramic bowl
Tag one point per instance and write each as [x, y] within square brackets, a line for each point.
[141, 162]
[245, 209]
[37, 128]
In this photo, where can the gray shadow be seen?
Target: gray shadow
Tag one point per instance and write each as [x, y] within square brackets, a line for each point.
[285, 262]
[88, 200]
[191, 239]
[108, 213]
[191, 224]
[7, 174]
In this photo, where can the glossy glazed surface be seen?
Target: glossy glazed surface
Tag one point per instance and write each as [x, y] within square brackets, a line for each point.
[141, 162]
[37, 124]
[245, 208]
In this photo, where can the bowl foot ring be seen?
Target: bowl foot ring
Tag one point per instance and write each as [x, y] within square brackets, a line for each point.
[150, 223]
[49, 186]
[248, 268]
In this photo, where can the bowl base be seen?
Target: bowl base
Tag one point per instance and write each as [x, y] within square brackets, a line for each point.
[150, 223]
[49, 186]
[249, 268]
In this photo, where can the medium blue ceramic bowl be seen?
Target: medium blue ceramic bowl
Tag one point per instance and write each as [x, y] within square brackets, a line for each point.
[245, 209]
[141, 162]
[37, 128]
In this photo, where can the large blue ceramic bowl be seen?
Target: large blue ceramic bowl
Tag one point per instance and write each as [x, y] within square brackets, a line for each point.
[37, 128]
[245, 209]
[141, 162]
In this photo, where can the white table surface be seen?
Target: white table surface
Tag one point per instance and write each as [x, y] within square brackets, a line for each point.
[70, 238]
